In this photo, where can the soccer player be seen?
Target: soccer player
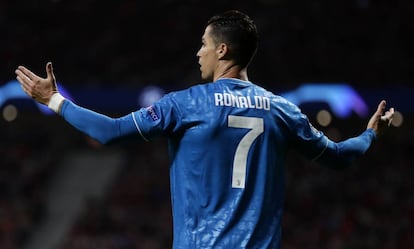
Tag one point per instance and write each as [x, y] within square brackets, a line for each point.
[228, 141]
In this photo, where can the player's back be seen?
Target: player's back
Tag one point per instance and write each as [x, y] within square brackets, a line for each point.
[227, 174]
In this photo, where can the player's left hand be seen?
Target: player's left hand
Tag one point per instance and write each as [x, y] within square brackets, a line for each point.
[40, 89]
[380, 120]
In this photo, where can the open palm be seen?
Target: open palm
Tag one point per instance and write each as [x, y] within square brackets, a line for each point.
[40, 89]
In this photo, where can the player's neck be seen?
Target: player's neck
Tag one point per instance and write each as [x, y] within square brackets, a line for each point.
[231, 71]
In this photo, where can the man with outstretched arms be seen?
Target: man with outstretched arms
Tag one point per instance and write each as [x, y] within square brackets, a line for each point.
[228, 141]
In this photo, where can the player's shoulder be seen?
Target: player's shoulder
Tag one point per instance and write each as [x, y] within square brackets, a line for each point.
[187, 98]
[278, 101]
[284, 103]
[197, 89]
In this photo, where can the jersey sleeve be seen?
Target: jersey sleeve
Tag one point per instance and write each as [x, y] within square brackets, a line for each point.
[98, 126]
[162, 118]
[341, 154]
[303, 136]
[318, 147]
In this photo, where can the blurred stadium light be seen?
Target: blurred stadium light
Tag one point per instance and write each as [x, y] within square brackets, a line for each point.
[342, 99]
[12, 91]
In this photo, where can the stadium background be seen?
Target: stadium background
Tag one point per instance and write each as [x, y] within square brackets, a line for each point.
[112, 45]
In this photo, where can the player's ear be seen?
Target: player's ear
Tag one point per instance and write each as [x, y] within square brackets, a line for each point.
[222, 51]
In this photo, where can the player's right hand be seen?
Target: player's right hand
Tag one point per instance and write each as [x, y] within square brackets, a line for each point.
[40, 89]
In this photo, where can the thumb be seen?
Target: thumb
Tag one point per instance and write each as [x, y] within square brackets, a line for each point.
[51, 76]
[49, 70]
[381, 108]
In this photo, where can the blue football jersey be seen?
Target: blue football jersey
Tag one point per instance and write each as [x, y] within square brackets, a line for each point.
[228, 143]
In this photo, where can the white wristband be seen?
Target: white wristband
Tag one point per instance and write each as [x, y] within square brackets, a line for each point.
[55, 102]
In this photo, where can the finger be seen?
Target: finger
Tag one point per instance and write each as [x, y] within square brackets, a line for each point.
[25, 83]
[28, 73]
[25, 87]
[26, 91]
[49, 70]
[381, 107]
[390, 112]
[23, 78]
[388, 116]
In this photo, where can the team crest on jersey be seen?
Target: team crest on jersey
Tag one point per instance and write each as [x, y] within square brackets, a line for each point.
[152, 113]
[316, 131]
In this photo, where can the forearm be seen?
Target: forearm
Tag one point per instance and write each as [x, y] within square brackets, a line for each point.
[339, 155]
[98, 126]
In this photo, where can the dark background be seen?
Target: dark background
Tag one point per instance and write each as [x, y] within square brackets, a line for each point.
[125, 43]
[363, 42]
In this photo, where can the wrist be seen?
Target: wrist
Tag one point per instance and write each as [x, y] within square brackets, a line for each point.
[55, 102]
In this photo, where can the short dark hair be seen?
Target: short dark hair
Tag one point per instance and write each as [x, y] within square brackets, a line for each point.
[239, 32]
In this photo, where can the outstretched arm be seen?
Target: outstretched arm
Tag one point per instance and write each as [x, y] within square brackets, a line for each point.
[98, 126]
[339, 155]
[315, 145]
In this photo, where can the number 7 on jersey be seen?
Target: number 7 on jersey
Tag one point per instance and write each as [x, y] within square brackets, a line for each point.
[256, 127]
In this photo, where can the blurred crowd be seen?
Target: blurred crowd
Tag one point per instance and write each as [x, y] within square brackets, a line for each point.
[369, 205]
[364, 42]
[23, 172]
[28, 152]
[136, 212]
